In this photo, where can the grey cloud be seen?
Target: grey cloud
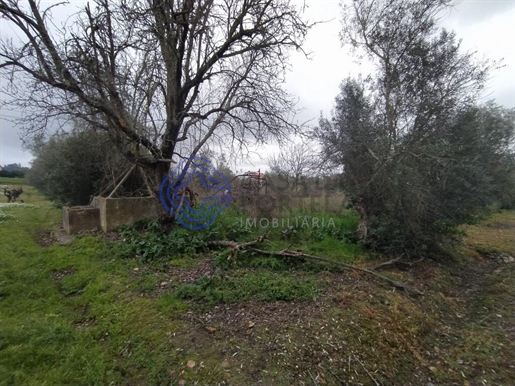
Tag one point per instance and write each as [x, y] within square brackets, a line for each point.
[471, 12]
[11, 145]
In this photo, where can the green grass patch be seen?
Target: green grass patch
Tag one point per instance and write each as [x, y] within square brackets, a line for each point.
[242, 285]
[69, 312]
[12, 181]
[145, 242]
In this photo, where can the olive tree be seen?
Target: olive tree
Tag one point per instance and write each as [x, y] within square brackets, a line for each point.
[409, 136]
[70, 168]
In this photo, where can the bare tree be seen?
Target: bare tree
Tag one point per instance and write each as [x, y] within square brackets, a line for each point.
[154, 74]
[293, 162]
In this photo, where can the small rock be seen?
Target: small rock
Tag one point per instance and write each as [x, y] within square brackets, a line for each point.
[225, 364]
[182, 382]
[251, 324]
[191, 364]
[164, 284]
[507, 258]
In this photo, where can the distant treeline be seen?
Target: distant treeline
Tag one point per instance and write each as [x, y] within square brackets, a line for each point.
[13, 170]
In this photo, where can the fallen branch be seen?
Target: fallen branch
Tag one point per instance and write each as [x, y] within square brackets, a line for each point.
[368, 372]
[385, 264]
[236, 248]
[287, 253]
[398, 261]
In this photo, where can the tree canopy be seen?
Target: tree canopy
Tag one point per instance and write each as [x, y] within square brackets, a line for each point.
[160, 78]
[419, 155]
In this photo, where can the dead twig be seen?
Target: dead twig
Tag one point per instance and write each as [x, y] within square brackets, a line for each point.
[398, 260]
[313, 379]
[342, 382]
[368, 372]
[412, 263]
[386, 263]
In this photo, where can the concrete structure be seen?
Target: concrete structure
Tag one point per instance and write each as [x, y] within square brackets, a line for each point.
[126, 210]
[109, 213]
[80, 218]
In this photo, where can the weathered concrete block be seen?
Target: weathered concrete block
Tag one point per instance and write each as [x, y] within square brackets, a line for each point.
[80, 218]
[125, 210]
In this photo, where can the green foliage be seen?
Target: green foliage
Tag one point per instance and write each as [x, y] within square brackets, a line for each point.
[13, 171]
[146, 242]
[69, 311]
[69, 169]
[77, 314]
[229, 225]
[419, 156]
[261, 285]
[271, 263]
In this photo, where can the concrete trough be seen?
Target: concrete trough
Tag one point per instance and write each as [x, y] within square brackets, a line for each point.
[80, 218]
[125, 210]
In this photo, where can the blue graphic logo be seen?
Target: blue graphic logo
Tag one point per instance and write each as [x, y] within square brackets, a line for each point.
[179, 193]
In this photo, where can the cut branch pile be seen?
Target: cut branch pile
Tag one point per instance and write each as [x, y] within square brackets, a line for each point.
[236, 248]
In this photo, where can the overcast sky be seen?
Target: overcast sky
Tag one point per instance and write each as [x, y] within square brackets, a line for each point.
[486, 26]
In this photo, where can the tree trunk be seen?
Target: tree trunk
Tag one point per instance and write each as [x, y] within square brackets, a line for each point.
[363, 221]
[165, 218]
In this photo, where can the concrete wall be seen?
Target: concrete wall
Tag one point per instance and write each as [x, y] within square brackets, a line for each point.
[126, 210]
[80, 218]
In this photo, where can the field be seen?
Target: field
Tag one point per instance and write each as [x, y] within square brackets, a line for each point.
[140, 308]
[12, 181]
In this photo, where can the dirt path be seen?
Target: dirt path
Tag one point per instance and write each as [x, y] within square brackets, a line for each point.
[478, 344]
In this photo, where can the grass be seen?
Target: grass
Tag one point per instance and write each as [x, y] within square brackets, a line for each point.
[67, 312]
[99, 312]
[12, 181]
[243, 285]
[496, 234]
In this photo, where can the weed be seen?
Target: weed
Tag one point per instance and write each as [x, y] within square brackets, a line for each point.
[145, 242]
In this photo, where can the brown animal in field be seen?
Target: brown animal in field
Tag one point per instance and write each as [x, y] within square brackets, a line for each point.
[13, 194]
[8, 194]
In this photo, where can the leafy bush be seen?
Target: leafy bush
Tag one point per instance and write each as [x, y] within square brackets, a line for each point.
[71, 168]
[145, 242]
